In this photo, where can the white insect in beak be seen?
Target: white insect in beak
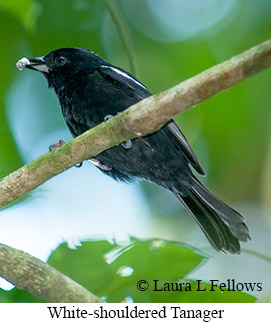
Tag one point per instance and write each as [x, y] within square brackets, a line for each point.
[37, 63]
[21, 64]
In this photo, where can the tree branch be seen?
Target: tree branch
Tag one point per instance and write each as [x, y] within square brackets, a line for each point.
[142, 118]
[41, 280]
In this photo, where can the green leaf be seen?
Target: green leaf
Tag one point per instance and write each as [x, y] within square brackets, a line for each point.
[102, 267]
[113, 271]
[17, 296]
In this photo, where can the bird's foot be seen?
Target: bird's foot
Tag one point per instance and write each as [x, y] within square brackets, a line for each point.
[58, 144]
[106, 118]
[127, 144]
[79, 165]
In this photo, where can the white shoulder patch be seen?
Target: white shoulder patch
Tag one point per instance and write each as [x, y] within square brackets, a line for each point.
[116, 70]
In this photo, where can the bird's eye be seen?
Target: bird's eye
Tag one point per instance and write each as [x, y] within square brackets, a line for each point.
[61, 60]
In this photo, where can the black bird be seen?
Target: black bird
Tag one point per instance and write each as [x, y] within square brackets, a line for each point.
[91, 90]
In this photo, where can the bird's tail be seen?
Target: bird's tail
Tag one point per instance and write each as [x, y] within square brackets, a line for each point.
[223, 226]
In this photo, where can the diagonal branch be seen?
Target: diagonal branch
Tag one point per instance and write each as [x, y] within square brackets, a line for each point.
[142, 118]
[41, 280]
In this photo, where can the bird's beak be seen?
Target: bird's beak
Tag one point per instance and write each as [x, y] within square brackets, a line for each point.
[36, 63]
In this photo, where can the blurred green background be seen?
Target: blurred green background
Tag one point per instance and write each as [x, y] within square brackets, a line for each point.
[164, 42]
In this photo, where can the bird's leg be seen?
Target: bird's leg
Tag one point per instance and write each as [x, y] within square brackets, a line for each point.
[127, 144]
[58, 144]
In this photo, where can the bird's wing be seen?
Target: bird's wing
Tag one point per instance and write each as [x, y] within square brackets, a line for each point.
[125, 79]
[129, 81]
[187, 150]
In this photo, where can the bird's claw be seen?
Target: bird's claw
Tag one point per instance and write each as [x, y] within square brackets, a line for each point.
[109, 116]
[58, 144]
[127, 144]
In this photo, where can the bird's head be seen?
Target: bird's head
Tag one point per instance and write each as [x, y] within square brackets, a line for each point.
[62, 65]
